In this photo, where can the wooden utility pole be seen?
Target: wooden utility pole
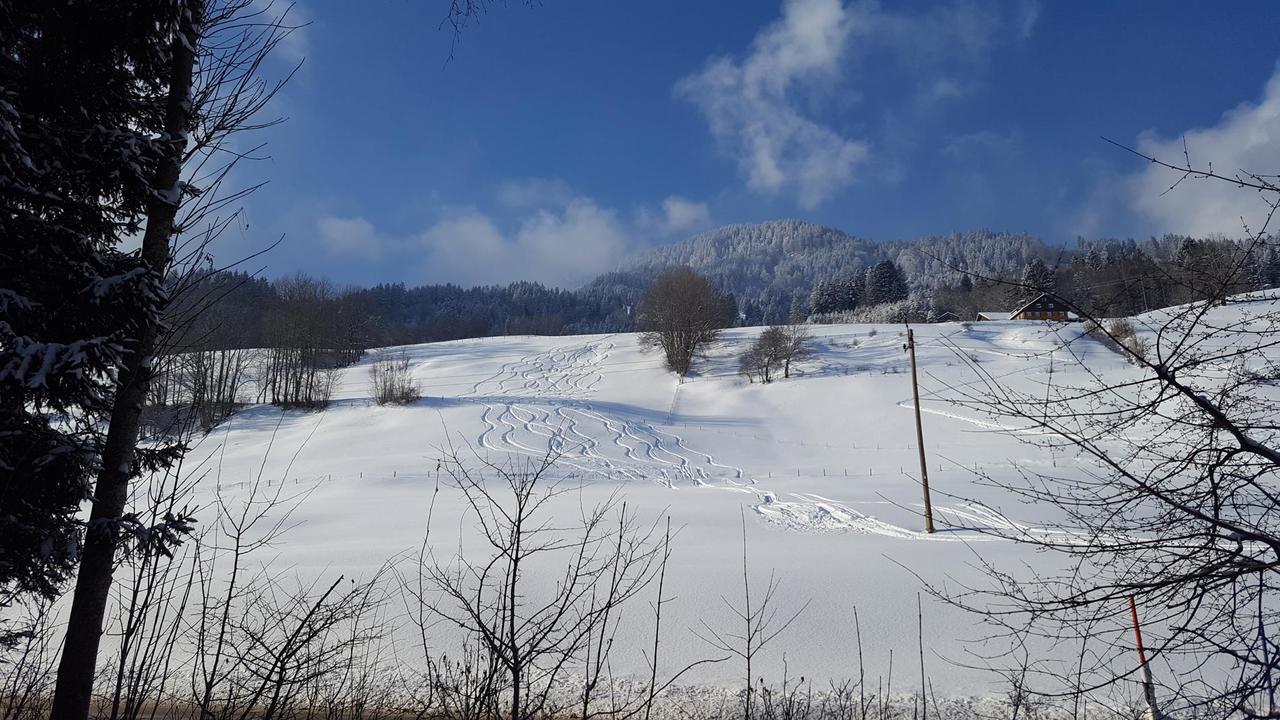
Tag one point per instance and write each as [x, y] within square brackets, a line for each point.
[924, 468]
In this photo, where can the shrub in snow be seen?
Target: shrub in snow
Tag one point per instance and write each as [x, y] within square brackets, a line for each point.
[392, 380]
[1120, 335]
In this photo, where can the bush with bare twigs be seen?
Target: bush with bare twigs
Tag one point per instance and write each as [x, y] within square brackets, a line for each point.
[392, 379]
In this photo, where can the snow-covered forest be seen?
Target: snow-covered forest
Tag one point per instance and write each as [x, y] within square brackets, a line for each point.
[772, 270]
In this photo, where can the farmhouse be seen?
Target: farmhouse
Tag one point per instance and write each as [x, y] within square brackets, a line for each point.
[1042, 307]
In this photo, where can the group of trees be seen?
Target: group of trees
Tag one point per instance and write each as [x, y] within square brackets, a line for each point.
[682, 313]
[239, 339]
[773, 268]
[393, 314]
[1107, 276]
[776, 349]
[1121, 278]
[883, 282]
[782, 269]
[312, 334]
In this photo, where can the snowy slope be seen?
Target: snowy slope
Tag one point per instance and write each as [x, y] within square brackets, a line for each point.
[823, 466]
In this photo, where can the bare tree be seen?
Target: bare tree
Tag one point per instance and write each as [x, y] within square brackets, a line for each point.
[534, 641]
[777, 347]
[756, 363]
[1173, 503]
[28, 666]
[761, 622]
[681, 313]
[796, 346]
[305, 356]
[211, 632]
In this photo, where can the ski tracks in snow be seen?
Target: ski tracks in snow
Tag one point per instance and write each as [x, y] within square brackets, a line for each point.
[542, 401]
[966, 522]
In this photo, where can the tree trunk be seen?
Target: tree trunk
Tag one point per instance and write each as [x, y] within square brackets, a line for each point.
[72, 694]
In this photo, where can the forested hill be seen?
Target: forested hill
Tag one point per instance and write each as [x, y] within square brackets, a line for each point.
[771, 267]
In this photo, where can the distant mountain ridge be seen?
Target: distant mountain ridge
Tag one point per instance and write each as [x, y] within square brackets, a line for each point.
[771, 267]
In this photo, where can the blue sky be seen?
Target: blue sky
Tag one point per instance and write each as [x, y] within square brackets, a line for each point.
[562, 137]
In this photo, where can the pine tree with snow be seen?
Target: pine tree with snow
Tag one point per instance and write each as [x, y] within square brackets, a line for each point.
[838, 294]
[824, 298]
[1037, 278]
[78, 147]
[885, 282]
[849, 291]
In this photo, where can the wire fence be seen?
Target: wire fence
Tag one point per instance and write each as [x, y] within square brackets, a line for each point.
[664, 476]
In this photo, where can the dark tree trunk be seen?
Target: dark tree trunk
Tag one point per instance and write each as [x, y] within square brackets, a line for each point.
[72, 694]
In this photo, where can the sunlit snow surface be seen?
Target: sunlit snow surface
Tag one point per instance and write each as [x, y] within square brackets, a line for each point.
[823, 466]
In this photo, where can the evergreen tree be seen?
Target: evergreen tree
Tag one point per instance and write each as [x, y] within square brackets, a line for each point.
[884, 283]
[1270, 268]
[848, 291]
[838, 294]
[82, 87]
[1036, 278]
[824, 298]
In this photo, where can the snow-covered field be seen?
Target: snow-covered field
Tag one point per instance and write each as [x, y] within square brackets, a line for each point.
[823, 465]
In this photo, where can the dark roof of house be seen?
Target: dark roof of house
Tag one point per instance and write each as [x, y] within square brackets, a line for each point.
[1036, 299]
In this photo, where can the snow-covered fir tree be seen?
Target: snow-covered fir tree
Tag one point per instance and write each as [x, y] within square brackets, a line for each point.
[78, 145]
[885, 283]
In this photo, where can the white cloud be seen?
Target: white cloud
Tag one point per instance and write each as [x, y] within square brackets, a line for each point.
[349, 237]
[683, 215]
[294, 18]
[1029, 16]
[541, 231]
[678, 216]
[468, 249]
[560, 247]
[749, 104]
[965, 30]
[762, 107]
[1246, 138]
